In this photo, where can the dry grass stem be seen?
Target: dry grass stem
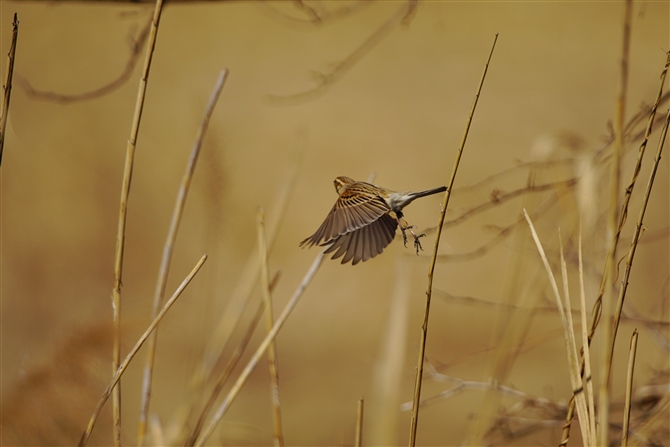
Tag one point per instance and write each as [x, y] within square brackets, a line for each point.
[638, 164]
[383, 419]
[631, 184]
[642, 114]
[7, 88]
[248, 278]
[587, 377]
[122, 366]
[586, 417]
[225, 375]
[508, 338]
[612, 226]
[636, 236]
[424, 327]
[168, 248]
[121, 231]
[629, 191]
[269, 322]
[570, 344]
[358, 442]
[230, 366]
[498, 198]
[253, 362]
[597, 307]
[629, 388]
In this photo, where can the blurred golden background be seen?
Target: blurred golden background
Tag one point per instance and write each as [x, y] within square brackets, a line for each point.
[395, 102]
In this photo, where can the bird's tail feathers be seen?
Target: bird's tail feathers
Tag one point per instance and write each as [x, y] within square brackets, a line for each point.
[428, 192]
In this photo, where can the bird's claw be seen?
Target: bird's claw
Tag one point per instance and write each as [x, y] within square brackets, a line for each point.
[417, 242]
[404, 235]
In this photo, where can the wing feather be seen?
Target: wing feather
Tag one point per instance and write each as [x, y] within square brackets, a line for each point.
[364, 243]
[367, 242]
[354, 209]
[390, 225]
[351, 246]
[339, 244]
[375, 239]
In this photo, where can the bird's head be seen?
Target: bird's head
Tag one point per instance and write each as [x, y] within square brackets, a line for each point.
[341, 183]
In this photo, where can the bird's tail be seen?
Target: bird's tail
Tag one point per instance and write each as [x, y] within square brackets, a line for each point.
[428, 192]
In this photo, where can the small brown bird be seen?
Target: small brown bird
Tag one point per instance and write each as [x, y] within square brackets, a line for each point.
[364, 219]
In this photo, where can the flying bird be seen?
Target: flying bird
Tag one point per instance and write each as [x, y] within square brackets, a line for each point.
[364, 219]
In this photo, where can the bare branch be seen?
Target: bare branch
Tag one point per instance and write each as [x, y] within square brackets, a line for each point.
[64, 98]
[317, 15]
[327, 80]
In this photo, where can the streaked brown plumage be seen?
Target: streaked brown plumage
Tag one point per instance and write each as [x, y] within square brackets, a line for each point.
[364, 219]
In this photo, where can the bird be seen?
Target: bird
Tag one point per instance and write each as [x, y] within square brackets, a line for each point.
[363, 221]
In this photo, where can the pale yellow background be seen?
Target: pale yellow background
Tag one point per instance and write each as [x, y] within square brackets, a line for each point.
[399, 112]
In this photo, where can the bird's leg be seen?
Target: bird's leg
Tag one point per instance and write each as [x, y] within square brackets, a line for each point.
[417, 242]
[403, 226]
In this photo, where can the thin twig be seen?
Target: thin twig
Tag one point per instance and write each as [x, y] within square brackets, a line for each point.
[424, 327]
[629, 388]
[498, 238]
[612, 226]
[651, 323]
[643, 146]
[168, 248]
[484, 206]
[317, 17]
[632, 122]
[358, 442]
[461, 385]
[122, 366]
[327, 80]
[242, 379]
[121, 231]
[63, 98]
[269, 322]
[636, 238]
[534, 165]
[228, 370]
[8, 83]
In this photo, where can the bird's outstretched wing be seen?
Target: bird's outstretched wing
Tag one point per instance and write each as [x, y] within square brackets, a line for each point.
[366, 242]
[355, 209]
